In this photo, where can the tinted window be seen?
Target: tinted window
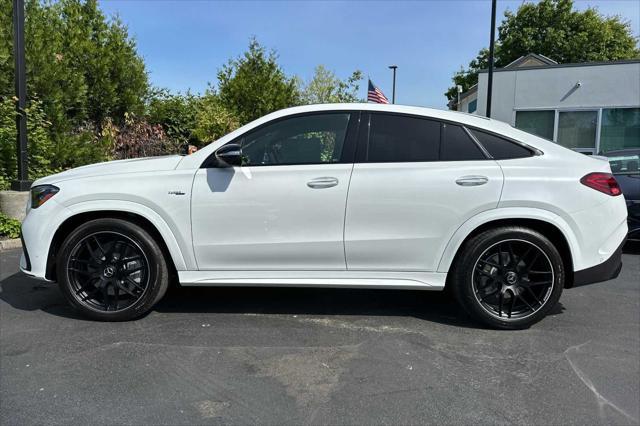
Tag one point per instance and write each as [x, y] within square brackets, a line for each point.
[473, 106]
[396, 138]
[577, 129]
[309, 139]
[540, 123]
[457, 145]
[500, 148]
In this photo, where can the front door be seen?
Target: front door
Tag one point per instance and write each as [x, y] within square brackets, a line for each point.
[283, 209]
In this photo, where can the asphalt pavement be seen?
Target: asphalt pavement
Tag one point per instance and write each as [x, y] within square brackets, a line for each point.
[317, 356]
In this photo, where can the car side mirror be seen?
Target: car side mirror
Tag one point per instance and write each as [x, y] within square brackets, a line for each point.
[229, 155]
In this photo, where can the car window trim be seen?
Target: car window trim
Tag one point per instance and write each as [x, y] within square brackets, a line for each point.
[348, 147]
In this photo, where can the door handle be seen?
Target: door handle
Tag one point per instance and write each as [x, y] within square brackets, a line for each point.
[322, 182]
[472, 180]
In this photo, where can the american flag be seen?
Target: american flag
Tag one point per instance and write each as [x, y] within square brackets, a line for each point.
[375, 95]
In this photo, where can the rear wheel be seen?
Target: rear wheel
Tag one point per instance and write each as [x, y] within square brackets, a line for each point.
[508, 277]
[112, 270]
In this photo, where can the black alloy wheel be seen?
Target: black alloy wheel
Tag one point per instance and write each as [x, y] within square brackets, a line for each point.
[513, 279]
[112, 269]
[508, 277]
[108, 271]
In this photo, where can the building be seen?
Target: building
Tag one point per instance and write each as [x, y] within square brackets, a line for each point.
[590, 107]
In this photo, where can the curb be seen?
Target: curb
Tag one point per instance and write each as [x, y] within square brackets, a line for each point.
[10, 244]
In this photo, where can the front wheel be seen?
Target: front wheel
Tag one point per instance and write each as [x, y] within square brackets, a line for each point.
[111, 270]
[508, 277]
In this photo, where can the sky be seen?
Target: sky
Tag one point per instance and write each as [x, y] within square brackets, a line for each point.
[185, 42]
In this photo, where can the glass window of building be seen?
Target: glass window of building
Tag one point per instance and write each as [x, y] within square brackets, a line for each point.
[473, 106]
[620, 129]
[577, 129]
[540, 123]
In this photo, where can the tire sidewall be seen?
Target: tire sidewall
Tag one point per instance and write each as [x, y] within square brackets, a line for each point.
[158, 273]
[463, 274]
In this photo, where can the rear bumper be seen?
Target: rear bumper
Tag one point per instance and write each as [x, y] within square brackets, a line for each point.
[607, 270]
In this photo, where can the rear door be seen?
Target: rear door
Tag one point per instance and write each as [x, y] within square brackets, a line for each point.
[416, 180]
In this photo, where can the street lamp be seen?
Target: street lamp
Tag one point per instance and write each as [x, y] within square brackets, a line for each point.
[393, 93]
[491, 45]
[21, 183]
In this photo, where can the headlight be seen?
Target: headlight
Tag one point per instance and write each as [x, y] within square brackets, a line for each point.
[41, 193]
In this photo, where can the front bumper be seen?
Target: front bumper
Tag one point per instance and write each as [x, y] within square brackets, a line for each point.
[25, 262]
[607, 270]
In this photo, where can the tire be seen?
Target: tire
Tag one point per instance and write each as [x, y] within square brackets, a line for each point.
[112, 270]
[508, 277]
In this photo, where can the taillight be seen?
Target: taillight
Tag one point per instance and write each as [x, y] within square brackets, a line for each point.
[603, 182]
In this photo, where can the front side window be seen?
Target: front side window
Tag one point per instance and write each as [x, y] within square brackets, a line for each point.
[307, 139]
[397, 138]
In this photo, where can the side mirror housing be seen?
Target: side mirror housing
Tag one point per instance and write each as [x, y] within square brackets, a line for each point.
[229, 155]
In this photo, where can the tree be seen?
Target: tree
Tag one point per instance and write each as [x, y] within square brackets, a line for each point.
[324, 87]
[254, 84]
[83, 66]
[552, 28]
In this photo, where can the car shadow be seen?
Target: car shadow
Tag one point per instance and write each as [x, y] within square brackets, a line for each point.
[631, 247]
[25, 293]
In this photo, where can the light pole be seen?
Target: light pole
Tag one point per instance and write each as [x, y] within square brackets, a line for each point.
[21, 183]
[491, 46]
[393, 93]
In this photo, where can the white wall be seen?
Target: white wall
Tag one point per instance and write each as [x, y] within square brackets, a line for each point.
[609, 85]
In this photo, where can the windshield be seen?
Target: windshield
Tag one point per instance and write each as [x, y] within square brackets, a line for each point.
[625, 164]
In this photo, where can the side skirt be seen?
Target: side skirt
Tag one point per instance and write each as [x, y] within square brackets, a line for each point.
[354, 279]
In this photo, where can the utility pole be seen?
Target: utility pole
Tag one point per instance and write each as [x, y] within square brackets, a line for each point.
[21, 183]
[491, 46]
[393, 93]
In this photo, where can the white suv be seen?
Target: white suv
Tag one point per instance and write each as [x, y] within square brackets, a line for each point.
[342, 195]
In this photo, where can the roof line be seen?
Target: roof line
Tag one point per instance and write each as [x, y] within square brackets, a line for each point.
[578, 64]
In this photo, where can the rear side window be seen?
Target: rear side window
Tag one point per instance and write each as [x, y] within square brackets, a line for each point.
[396, 138]
[500, 148]
[457, 145]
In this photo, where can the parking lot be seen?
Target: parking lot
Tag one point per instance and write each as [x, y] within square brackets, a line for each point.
[317, 356]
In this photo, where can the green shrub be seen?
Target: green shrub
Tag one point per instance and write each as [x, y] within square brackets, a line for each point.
[213, 120]
[80, 147]
[41, 147]
[9, 227]
[176, 114]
